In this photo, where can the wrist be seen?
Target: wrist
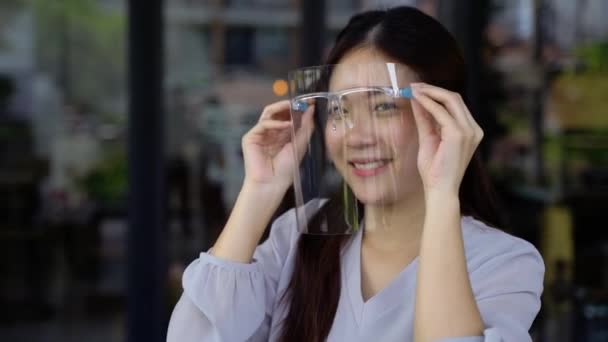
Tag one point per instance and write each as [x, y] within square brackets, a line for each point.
[439, 195]
[261, 199]
[254, 208]
[442, 201]
[263, 190]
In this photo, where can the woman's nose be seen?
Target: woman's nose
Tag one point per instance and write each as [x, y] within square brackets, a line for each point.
[361, 131]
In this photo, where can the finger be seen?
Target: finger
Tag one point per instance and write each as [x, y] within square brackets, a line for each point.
[437, 111]
[424, 123]
[476, 129]
[455, 104]
[277, 110]
[453, 101]
[450, 100]
[267, 125]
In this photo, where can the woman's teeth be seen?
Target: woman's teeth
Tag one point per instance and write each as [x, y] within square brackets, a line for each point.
[369, 166]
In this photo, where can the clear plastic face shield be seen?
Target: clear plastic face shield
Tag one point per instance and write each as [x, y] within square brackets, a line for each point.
[363, 148]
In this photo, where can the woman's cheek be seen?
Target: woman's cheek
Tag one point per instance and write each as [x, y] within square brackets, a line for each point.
[404, 142]
[334, 147]
[402, 135]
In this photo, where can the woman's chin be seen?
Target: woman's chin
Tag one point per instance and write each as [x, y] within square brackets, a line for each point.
[374, 198]
[383, 197]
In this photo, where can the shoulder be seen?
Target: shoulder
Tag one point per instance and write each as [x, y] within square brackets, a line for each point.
[491, 252]
[482, 240]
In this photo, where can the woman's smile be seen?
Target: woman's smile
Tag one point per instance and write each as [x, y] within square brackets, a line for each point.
[369, 167]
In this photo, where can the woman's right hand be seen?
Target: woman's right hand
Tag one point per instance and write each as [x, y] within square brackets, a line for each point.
[268, 146]
[268, 150]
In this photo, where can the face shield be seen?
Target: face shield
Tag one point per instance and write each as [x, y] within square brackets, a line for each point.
[361, 150]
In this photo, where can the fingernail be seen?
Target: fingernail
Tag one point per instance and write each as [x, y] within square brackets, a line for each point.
[415, 89]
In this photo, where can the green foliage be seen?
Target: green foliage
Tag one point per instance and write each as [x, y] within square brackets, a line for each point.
[580, 100]
[107, 183]
[83, 44]
[594, 57]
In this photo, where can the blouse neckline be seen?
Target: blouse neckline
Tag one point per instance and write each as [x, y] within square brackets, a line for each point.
[383, 301]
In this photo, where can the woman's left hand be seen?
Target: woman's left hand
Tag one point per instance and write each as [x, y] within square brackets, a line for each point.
[447, 137]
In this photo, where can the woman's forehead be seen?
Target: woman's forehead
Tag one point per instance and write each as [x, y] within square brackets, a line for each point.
[367, 67]
[345, 76]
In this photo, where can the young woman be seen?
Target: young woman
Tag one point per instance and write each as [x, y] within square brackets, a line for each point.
[435, 272]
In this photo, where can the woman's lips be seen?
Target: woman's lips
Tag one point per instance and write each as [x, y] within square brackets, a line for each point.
[368, 168]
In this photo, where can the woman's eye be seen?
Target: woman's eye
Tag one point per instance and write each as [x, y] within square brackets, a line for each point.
[335, 113]
[385, 107]
[337, 110]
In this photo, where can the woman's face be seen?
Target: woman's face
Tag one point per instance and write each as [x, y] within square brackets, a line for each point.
[374, 144]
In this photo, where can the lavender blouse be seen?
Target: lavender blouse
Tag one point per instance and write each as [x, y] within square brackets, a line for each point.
[231, 301]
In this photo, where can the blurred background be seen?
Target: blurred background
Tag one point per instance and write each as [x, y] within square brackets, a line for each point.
[120, 127]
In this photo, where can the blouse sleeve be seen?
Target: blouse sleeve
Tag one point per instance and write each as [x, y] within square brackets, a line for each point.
[507, 288]
[230, 301]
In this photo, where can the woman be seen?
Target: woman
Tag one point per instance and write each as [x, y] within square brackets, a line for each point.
[434, 272]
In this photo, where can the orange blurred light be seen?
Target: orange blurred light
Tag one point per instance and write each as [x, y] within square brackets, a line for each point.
[279, 87]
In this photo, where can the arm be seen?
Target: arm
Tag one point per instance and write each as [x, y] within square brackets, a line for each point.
[225, 300]
[496, 301]
[269, 164]
[189, 324]
[447, 138]
[445, 305]
[227, 296]
[507, 280]
[247, 222]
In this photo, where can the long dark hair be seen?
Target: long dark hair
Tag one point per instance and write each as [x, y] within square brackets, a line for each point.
[425, 46]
